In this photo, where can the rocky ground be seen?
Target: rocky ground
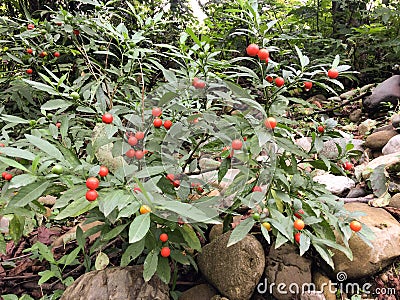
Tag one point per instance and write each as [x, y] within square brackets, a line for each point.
[247, 269]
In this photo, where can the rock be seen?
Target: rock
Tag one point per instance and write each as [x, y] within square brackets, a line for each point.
[216, 231]
[395, 201]
[199, 292]
[335, 184]
[366, 126]
[304, 143]
[234, 271]
[390, 161]
[356, 192]
[324, 284]
[116, 283]
[392, 146]
[211, 177]
[396, 121]
[384, 128]
[285, 266]
[218, 297]
[387, 91]
[329, 149]
[312, 296]
[366, 260]
[355, 115]
[379, 139]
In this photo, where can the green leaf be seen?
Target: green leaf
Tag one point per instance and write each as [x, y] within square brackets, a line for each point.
[15, 152]
[76, 208]
[56, 104]
[45, 146]
[223, 169]
[22, 180]
[43, 251]
[114, 232]
[265, 233]
[132, 252]
[110, 201]
[241, 231]
[102, 261]
[166, 98]
[163, 269]
[80, 237]
[325, 255]
[45, 275]
[139, 228]
[190, 237]
[13, 119]
[29, 193]
[72, 256]
[13, 163]
[16, 227]
[304, 243]
[42, 87]
[150, 265]
[378, 181]
[336, 61]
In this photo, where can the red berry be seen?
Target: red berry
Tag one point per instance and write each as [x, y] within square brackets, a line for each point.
[29, 51]
[279, 81]
[252, 49]
[157, 122]
[263, 54]
[333, 73]
[130, 153]
[58, 23]
[139, 154]
[257, 189]
[237, 144]
[139, 135]
[58, 124]
[176, 183]
[43, 54]
[136, 189]
[165, 252]
[57, 54]
[198, 84]
[299, 224]
[30, 26]
[355, 226]
[76, 31]
[91, 195]
[103, 172]
[92, 183]
[132, 141]
[321, 129]
[348, 166]
[2, 145]
[29, 71]
[163, 237]
[107, 118]
[269, 78]
[299, 213]
[170, 177]
[156, 111]
[270, 123]
[308, 85]
[297, 237]
[3, 175]
[167, 124]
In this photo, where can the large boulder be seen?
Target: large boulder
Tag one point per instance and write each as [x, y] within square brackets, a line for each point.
[379, 139]
[390, 161]
[236, 270]
[335, 184]
[199, 292]
[385, 246]
[392, 146]
[387, 91]
[117, 283]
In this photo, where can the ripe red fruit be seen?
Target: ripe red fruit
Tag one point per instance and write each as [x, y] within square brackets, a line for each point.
[57, 54]
[136, 189]
[43, 54]
[29, 51]
[333, 73]
[58, 23]
[256, 189]
[167, 124]
[58, 124]
[130, 153]
[156, 111]
[165, 251]
[91, 195]
[163, 237]
[198, 84]
[321, 129]
[157, 122]
[29, 71]
[297, 237]
[299, 224]
[279, 81]
[107, 118]
[308, 85]
[2, 145]
[139, 135]
[30, 26]
[76, 31]
[348, 166]
[270, 123]
[176, 183]
[132, 141]
[92, 183]
[139, 154]
[355, 226]
[299, 213]
[252, 49]
[263, 54]
[170, 177]
[103, 172]
[4, 174]
[237, 144]
[269, 78]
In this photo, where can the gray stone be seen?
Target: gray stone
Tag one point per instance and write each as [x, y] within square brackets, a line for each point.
[392, 146]
[312, 296]
[384, 128]
[355, 115]
[366, 126]
[216, 231]
[390, 161]
[236, 270]
[387, 91]
[335, 184]
[324, 284]
[199, 292]
[379, 139]
[356, 192]
[395, 201]
[116, 283]
[396, 121]
[385, 246]
[329, 149]
[285, 266]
